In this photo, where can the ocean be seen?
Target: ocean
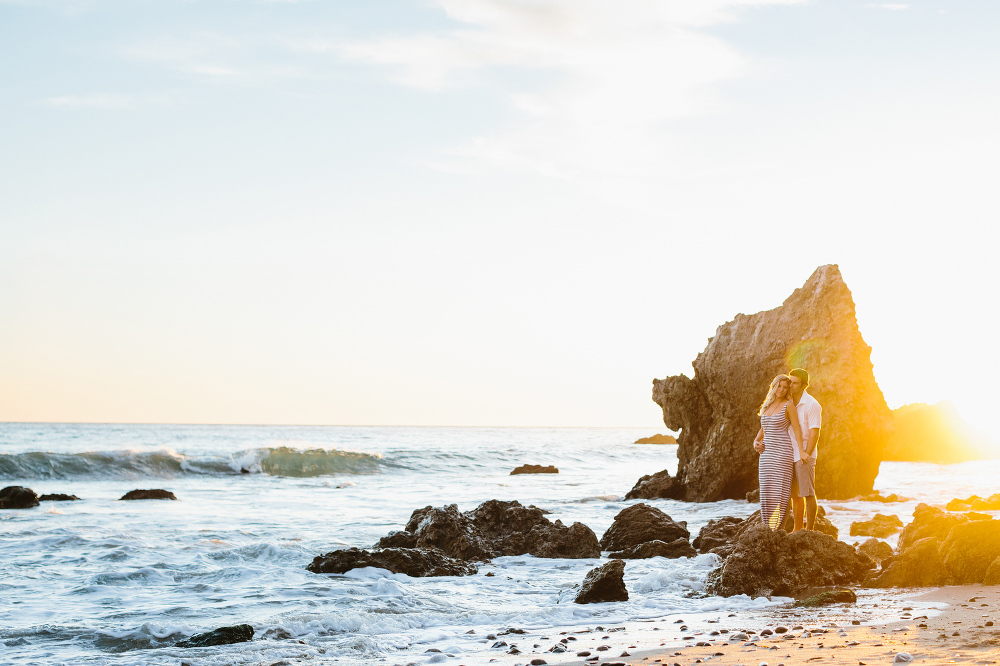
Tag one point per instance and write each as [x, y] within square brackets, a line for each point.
[100, 581]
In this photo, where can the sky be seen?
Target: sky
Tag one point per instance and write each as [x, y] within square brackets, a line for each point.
[481, 212]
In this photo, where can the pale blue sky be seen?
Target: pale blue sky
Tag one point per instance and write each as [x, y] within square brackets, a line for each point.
[478, 211]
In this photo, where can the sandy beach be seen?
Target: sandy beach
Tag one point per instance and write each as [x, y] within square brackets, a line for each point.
[958, 624]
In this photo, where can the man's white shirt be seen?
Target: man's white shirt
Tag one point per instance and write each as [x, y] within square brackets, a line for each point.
[810, 416]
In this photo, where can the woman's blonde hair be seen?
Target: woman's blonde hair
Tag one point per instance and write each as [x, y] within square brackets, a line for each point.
[774, 389]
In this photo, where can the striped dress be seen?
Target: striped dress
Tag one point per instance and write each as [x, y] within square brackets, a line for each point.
[775, 469]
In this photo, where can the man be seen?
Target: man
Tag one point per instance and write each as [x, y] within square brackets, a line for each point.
[804, 477]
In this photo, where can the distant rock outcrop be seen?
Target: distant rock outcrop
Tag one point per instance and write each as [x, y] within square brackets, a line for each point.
[153, 494]
[975, 503]
[18, 497]
[716, 411]
[934, 433]
[605, 583]
[493, 529]
[58, 497]
[535, 469]
[657, 439]
[416, 562]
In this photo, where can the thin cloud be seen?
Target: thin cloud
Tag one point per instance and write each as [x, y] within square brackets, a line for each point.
[896, 7]
[108, 101]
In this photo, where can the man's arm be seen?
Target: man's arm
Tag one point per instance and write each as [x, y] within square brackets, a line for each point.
[811, 438]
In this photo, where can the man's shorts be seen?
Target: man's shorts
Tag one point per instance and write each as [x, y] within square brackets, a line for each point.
[804, 478]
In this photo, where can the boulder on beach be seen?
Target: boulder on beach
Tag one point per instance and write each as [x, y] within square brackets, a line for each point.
[58, 497]
[879, 551]
[639, 523]
[18, 497]
[941, 548]
[880, 526]
[240, 633]
[715, 411]
[765, 563]
[416, 562]
[677, 548]
[493, 529]
[657, 439]
[153, 494]
[535, 469]
[605, 583]
[827, 598]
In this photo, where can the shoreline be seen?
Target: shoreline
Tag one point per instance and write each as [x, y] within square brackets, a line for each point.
[932, 625]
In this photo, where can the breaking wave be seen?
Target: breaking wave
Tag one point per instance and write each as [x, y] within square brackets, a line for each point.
[278, 461]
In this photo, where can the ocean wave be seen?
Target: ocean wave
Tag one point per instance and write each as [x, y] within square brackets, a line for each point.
[167, 463]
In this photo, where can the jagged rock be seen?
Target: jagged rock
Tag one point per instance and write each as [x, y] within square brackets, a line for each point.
[940, 548]
[766, 563]
[155, 494]
[879, 551]
[58, 497]
[535, 469]
[827, 598]
[975, 503]
[639, 523]
[492, 529]
[240, 633]
[673, 550]
[17, 497]
[657, 439]
[655, 486]
[416, 562]
[718, 532]
[822, 525]
[605, 583]
[879, 526]
[715, 412]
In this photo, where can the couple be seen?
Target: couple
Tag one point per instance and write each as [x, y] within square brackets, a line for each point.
[790, 420]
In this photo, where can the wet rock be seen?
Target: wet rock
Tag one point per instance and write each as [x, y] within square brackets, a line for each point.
[605, 583]
[657, 439]
[718, 532]
[715, 412]
[875, 549]
[416, 562]
[240, 633]
[18, 497]
[765, 563]
[535, 469]
[639, 523]
[673, 550]
[975, 503]
[58, 497]
[155, 494]
[493, 529]
[827, 598]
[879, 526]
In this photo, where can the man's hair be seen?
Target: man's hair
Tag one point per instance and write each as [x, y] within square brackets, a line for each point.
[801, 374]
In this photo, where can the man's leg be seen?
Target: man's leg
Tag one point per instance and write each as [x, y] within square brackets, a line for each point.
[798, 508]
[811, 509]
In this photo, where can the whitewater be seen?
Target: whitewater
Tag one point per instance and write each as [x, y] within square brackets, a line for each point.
[101, 581]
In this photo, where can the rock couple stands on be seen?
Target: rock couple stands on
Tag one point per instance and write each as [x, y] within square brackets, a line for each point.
[716, 410]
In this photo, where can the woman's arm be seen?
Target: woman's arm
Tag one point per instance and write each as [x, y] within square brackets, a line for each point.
[793, 417]
[758, 441]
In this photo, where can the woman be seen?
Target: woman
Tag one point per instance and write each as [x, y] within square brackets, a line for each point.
[775, 446]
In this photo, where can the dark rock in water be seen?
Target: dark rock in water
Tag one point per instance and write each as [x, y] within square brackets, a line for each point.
[827, 598]
[605, 583]
[655, 486]
[715, 412]
[154, 494]
[640, 523]
[718, 532]
[416, 562]
[58, 497]
[17, 497]
[941, 548]
[879, 526]
[875, 549]
[657, 439]
[493, 529]
[673, 550]
[535, 469]
[240, 633]
[765, 563]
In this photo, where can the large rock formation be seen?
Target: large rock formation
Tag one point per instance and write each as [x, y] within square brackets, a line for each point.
[416, 562]
[766, 562]
[934, 433]
[716, 411]
[493, 529]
